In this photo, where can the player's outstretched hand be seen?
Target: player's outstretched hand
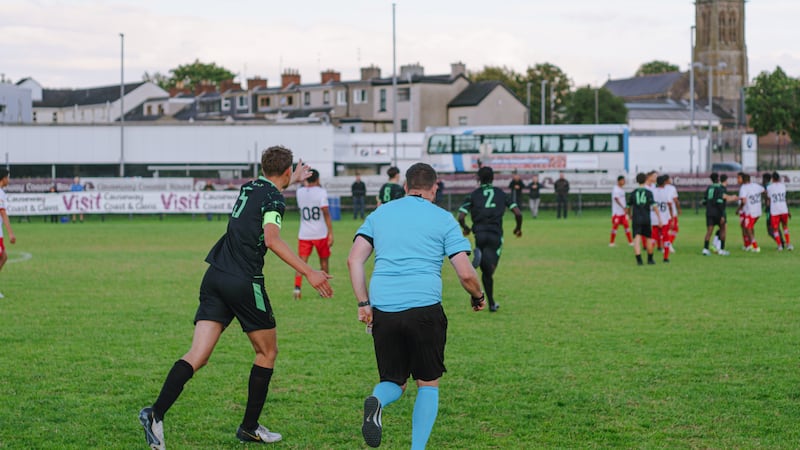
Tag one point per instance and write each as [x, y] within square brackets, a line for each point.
[518, 232]
[319, 280]
[478, 303]
[301, 172]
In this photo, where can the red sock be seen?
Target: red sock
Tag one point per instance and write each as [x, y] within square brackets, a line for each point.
[628, 235]
[785, 236]
[298, 281]
[613, 236]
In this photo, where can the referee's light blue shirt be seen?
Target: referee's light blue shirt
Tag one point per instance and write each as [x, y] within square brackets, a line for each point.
[411, 237]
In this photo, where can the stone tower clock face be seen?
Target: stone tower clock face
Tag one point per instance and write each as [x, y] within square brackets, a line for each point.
[720, 38]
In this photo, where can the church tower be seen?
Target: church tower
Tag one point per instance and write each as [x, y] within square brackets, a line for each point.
[720, 39]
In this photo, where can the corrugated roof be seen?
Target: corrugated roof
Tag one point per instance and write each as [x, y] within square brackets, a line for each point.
[648, 85]
[60, 98]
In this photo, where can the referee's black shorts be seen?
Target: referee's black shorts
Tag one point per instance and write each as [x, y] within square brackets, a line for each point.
[224, 296]
[410, 342]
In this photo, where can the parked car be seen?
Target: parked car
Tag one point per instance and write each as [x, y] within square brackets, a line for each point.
[726, 166]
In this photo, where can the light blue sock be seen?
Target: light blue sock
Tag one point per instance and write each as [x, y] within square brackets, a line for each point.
[426, 408]
[387, 393]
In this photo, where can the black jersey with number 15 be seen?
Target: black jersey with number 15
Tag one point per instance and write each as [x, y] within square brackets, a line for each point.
[240, 251]
[486, 205]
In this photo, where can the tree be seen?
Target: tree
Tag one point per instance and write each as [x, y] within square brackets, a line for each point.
[557, 83]
[655, 67]
[773, 104]
[582, 108]
[190, 75]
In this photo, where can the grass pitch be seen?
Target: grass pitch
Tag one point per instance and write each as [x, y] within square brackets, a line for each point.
[588, 350]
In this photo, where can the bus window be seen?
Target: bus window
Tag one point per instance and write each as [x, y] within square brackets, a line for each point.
[551, 143]
[467, 143]
[577, 143]
[606, 143]
[526, 143]
[500, 144]
[440, 143]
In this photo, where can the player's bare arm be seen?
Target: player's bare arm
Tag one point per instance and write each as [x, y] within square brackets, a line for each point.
[359, 253]
[326, 214]
[316, 278]
[7, 223]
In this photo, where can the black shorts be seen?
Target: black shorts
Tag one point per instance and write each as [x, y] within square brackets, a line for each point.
[715, 220]
[410, 342]
[491, 245]
[642, 229]
[224, 296]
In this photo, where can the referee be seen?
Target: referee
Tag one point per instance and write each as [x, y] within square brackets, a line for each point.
[410, 237]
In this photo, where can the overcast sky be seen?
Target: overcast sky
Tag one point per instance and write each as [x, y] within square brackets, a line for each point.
[76, 43]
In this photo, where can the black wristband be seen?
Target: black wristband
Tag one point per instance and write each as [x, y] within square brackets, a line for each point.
[366, 303]
[477, 299]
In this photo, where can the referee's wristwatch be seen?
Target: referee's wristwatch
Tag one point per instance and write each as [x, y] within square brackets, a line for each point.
[364, 303]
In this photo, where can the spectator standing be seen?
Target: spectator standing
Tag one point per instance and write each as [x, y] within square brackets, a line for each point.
[76, 186]
[534, 196]
[359, 192]
[561, 187]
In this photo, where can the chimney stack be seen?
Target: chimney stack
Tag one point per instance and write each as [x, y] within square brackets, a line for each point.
[290, 76]
[368, 73]
[330, 75]
[413, 70]
[257, 82]
[458, 68]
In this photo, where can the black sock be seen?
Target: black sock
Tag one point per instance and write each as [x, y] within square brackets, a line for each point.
[639, 259]
[488, 286]
[649, 257]
[721, 244]
[705, 245]
[257, 390]
[180, 373]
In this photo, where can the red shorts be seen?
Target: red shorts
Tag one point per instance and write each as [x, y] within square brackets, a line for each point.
[304, 247]
[749, 222]
[659, 233]
[780, 219]
[621, 219]
[673, 224]
[2, 246]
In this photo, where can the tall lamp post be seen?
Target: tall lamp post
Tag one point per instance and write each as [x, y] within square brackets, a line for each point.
[529, 101]
[544, 83]
[121, 104]
[394, 87]
[710, 69]
[691, 97]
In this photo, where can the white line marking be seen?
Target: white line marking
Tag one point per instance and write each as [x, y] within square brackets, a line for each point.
[19, 257]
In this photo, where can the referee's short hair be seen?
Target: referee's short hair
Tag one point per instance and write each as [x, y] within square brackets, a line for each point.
[420, 176]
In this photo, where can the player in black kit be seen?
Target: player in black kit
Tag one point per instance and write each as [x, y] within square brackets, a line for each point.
[233, 286]
[640, 203]
[486, 205]
[391, 190]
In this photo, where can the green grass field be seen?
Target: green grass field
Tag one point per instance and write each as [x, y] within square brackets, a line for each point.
[587, 351]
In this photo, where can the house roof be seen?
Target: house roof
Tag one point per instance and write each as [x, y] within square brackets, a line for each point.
[432, 79]
[648, 85]
[59, 98]
[474, 94]
[665, 109]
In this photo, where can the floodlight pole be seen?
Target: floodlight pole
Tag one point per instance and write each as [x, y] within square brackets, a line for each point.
[544, 83]
[529, 102]
[691, 97]
[394, 87]
[122, 105]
